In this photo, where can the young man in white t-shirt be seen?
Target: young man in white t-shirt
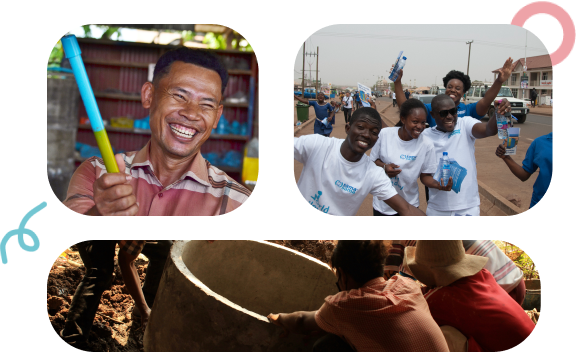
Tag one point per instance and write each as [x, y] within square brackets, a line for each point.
[456, 136]
[393, 99]
[338, 175]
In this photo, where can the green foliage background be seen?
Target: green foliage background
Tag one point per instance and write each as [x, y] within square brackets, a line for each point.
[213, 40]
[520, 258]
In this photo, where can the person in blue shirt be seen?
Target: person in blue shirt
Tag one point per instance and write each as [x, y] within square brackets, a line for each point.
[323, 110]
[357, 100]
[456, 84]
[538, 156]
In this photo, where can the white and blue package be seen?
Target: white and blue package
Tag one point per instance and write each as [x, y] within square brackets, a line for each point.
[457, 172]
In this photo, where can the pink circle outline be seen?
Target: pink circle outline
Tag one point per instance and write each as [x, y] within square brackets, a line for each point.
[560, 15]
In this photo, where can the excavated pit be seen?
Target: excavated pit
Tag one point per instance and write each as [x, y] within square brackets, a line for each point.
[215, 297]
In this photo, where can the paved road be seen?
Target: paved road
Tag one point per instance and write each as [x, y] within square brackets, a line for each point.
[535, 126]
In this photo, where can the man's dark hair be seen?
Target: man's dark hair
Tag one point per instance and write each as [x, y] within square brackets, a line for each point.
[363, 260]
[371, 113]
[408, 106]
[196, 57]
[438, 99]
[465, 79]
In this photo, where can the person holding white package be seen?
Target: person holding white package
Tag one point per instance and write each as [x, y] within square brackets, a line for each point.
[457, 136]
[406, 156]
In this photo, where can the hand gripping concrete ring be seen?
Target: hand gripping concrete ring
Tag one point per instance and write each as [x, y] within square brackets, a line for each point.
[216, 296]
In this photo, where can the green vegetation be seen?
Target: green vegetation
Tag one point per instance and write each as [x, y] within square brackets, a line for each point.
[212, 40]
[56, 55]
[520, 258]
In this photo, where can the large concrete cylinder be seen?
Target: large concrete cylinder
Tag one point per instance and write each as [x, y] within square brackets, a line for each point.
[63, 100]
[215, 297]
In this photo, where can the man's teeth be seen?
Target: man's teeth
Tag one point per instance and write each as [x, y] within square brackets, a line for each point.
[363, 144]
[183, 131]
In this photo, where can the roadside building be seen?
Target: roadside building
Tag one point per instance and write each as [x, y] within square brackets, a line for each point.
[422, 90]
[536, 72]
[297, 86]
[381, 85]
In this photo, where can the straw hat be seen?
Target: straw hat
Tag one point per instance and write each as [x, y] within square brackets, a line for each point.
[440, 263]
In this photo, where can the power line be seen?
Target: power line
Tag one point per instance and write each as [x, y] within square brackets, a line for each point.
[428, 39]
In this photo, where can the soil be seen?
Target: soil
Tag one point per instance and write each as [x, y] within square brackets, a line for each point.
[321, 249]
[114, 329]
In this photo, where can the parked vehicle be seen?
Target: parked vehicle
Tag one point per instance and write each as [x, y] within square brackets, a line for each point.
[519, 107]
[310, 93]
[435, 90]
[425, 98]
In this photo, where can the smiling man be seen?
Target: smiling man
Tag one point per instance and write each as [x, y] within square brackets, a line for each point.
[338, 175]
[457, 136]
[168, 176]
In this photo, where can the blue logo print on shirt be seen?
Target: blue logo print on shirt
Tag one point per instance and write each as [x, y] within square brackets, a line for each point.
[453, 133]
[396, 182]
[345, 187]
[408, 157]
[315, 202]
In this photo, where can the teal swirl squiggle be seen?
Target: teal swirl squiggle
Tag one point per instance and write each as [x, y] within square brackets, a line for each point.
[20, 232]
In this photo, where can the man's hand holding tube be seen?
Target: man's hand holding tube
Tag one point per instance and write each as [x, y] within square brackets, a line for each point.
[113, 193]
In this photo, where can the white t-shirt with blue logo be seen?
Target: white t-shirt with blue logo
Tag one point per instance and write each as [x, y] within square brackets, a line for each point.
[414, 157]
[460, 146]
[333, 184]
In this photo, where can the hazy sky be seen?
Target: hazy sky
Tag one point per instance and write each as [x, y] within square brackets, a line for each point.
[360, 53]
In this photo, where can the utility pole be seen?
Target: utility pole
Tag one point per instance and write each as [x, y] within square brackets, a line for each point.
[468, 68]
[525, 64]
[303, 71]
[309, 64]
[317, 57]
[469, 50]
[310, 73]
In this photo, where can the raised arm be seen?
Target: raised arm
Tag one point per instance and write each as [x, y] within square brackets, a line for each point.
[484, 104]
[302, 100]
[372, 103]
[483, 130]
[400, 97]
[516, 169]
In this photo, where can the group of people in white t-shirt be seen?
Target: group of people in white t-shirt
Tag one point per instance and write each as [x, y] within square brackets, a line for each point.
[338, 175]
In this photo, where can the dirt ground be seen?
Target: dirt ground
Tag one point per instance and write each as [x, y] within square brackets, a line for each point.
[113, 329]
[321, 249]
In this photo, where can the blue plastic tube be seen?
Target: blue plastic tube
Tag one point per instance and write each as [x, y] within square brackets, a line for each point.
[72, 52]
